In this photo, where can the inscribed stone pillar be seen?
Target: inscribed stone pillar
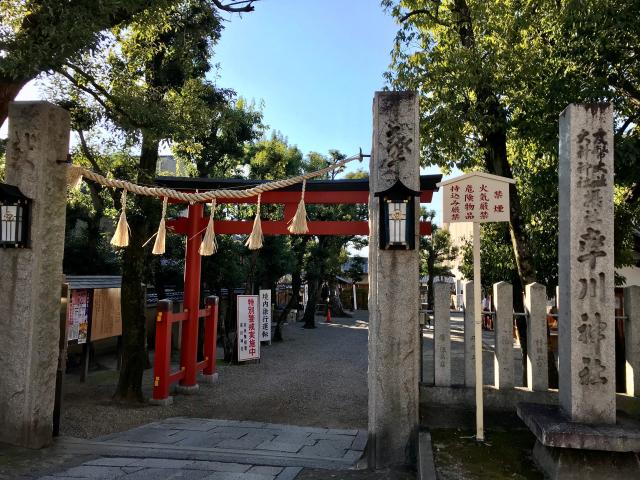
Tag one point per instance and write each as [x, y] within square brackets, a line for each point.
[31, 278]
[632, 338]
[503, 329]
[442, 334]
[535, 303]
[394, 349]
[469, 336]
[585, 268]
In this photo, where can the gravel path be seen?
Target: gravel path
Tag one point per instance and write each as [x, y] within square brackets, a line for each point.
[314, 378]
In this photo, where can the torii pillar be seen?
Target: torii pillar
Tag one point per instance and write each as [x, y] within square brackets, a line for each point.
[394, 348]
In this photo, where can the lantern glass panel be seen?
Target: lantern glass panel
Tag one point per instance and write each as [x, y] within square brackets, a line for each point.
[397, 222]
[11, 222]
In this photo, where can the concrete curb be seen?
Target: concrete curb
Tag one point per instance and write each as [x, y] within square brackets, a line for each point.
[426, 465]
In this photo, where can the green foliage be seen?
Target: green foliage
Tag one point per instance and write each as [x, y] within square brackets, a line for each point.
[274, 159]
[497, 263]
[437, 253]
[495, 73]
[39, 35]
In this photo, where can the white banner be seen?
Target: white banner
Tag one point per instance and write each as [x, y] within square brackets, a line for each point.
[248, 328]
[265, 315]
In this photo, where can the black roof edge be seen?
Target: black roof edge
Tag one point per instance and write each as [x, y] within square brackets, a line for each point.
[427, 182]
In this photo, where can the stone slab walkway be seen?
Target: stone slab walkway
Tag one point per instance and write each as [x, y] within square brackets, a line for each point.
[192, 448]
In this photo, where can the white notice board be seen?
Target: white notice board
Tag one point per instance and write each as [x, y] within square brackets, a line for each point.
[248, 327]
[265, 315]
[476, 197]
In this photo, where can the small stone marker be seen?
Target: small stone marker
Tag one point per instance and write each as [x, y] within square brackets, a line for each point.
[469, 336]
[503, 329]
[442, 334]
[535, 302]
[632, 338]
[586, 300]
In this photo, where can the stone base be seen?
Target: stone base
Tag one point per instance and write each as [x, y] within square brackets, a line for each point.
[208, 378]
[572, 464]
[567, 450]
[165, 402]
[553, 428]
[187, 389]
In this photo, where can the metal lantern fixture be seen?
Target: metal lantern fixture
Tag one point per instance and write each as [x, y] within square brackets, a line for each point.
[14, 217]
[397, 217]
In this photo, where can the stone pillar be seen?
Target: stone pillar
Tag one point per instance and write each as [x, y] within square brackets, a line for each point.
[394, 348]
[442, 334]
[535, 303]
[585, 269]
[31, 278]
[632, 338]
[469, 336]
[503, 329]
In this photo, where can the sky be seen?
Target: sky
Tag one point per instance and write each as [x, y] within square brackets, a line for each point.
[313, 65]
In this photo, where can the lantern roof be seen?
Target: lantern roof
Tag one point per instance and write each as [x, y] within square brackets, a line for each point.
[11, 193]
[398, 189]
[469, 175]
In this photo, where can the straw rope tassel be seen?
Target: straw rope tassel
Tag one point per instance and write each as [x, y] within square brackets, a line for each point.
[209, 246]
[74, 176]
[299, 221]
[254, 242]
[159, 246]
[121, 235]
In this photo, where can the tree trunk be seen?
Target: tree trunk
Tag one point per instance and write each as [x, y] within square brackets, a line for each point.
[134, 263]
[335, 302]
[9, 89]
[310, 311]
[229, 327]
[494, 142]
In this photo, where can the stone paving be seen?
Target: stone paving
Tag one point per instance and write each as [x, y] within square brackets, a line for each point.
[192, 448]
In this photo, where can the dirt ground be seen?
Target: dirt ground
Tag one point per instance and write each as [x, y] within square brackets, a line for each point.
[314, 378]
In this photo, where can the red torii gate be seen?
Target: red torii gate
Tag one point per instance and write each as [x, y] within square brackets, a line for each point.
[328, 192]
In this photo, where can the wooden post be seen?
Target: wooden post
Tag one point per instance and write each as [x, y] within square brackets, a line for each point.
[478, 332]
[62, 358]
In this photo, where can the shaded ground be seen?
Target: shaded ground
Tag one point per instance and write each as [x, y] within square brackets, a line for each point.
[506, 453]
[313, 474]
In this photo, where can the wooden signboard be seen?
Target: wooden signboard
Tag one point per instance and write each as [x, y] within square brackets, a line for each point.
[106, 320]
[476, 197]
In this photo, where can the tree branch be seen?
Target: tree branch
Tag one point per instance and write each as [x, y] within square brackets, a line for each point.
[96, 95]
[96, 168]
[425, 11]
[247, 6]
